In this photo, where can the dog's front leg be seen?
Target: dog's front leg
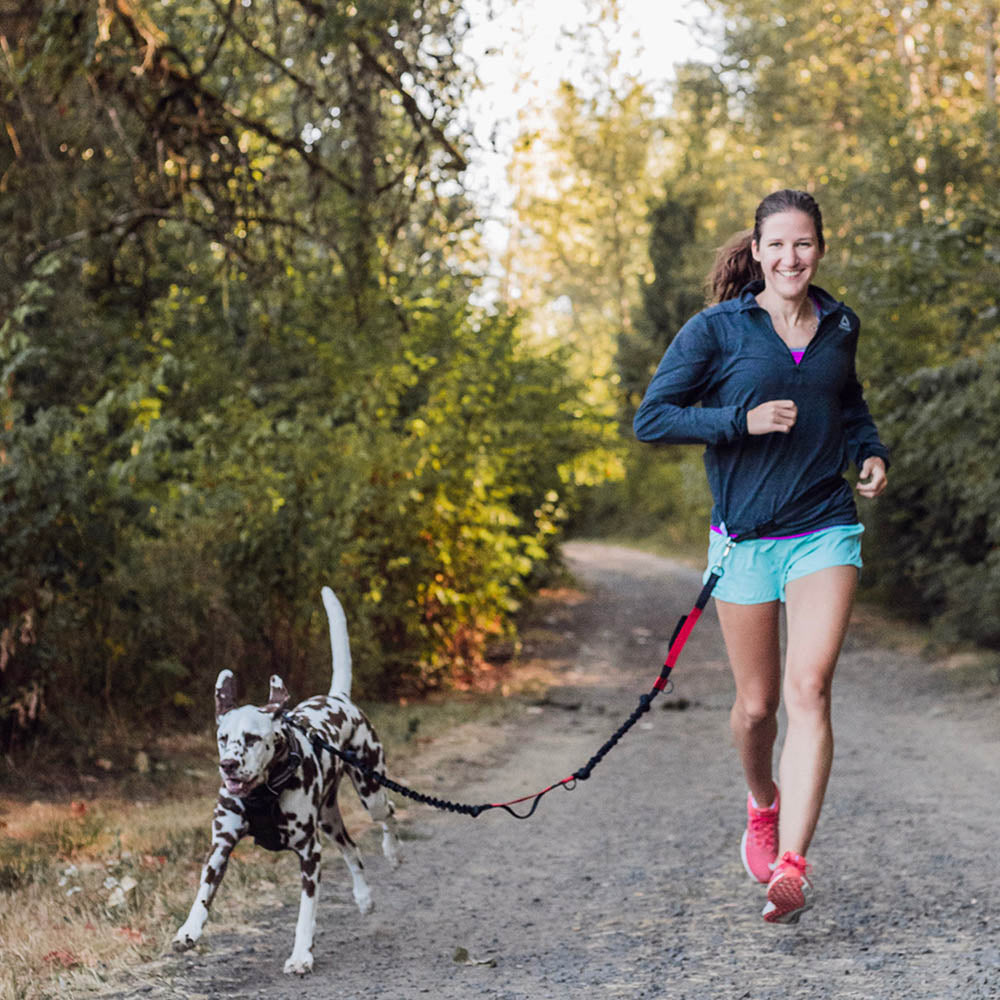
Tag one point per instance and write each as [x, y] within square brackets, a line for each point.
[301, 959]
[228, 826]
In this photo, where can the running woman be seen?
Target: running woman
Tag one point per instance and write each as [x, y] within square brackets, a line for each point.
[765, 378]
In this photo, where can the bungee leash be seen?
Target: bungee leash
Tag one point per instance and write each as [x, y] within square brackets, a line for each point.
[677, 642]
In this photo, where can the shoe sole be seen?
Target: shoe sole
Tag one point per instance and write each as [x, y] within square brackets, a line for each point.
[746, 863]
[788, 903]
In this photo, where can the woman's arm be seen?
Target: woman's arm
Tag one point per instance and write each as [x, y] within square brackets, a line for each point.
[668, 414]
[860, 432]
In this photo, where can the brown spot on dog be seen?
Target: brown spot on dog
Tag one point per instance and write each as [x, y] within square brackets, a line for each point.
[308, 826]
[310, 771]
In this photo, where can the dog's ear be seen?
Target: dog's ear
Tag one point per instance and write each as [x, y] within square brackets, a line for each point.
[278, 696]
[225, 693]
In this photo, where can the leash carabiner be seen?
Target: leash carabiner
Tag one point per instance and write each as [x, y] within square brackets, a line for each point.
[718, 570]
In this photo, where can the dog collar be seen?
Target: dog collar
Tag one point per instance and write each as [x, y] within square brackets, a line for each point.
[277, 781]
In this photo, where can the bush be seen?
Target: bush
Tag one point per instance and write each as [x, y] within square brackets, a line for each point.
[934, 545]
[184, 533]
[663, 498]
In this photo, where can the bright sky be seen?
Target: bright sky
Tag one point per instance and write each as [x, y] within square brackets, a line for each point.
[521, 57]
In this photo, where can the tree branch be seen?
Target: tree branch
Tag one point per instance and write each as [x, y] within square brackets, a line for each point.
[419, 119]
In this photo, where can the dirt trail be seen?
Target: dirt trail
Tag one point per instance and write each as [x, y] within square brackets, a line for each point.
[631, 886]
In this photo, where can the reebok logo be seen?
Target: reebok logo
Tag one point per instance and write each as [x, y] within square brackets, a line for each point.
[845, 323]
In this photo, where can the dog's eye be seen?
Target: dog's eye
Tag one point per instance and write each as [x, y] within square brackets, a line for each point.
[250, 739]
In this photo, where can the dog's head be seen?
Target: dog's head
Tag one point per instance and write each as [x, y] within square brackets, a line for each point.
[249, 737]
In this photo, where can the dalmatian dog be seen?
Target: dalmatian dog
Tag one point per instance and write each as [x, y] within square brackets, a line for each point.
[281, 788]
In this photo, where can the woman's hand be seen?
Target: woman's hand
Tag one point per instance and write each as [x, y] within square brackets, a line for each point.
[777, 416]
[872, 480]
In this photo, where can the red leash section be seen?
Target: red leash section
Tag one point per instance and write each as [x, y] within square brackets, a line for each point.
[567, 783]
[677, 642]
[684, 629]
[688, 621]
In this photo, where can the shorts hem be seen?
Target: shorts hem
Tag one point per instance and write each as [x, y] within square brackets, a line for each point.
[771, 564]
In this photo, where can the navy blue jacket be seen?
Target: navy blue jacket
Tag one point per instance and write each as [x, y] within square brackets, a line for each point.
[729, 359]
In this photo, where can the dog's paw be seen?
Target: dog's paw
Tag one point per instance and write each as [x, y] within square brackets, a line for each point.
[364, 900]
[392, 851]
[183, 942]
[299, 965]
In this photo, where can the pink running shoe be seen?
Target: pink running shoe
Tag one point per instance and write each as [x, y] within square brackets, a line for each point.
[759, 846]
[789, 893]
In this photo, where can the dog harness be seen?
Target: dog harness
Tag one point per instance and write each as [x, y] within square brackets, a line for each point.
[260, 807]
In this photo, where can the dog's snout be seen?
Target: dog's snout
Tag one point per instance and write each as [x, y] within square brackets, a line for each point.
[228, 766]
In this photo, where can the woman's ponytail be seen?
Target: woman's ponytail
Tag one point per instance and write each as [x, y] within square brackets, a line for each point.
[734, 266]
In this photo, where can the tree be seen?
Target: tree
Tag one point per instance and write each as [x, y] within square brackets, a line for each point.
[669, 299]
[234, 292]
[888, 113]
[583, 180]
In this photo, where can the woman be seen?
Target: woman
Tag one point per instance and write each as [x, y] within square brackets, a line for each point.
[783, 416]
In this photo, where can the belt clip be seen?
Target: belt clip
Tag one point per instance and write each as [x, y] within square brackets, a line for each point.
[717, 569]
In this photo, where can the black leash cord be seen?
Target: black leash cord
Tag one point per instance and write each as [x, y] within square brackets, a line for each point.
[465, 809]
[677, 641]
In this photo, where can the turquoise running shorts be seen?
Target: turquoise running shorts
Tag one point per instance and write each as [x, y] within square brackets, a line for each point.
[757, 571]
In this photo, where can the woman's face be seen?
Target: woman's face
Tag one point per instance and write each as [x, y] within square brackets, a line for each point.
[788, 253]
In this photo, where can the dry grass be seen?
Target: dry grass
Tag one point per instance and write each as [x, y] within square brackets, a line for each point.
[90, 887]
[99, 863]
[93, 886]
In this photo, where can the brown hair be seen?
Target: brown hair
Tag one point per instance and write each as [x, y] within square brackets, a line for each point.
[734, 265]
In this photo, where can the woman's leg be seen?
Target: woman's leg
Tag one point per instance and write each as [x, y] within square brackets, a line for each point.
[751, 633]
[818, 610]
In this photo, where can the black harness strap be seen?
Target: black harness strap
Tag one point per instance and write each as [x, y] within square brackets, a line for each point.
[261, 808]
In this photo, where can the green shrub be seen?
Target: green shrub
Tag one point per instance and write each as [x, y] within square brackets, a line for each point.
[935, 545]
[663, 498]
[184, 534]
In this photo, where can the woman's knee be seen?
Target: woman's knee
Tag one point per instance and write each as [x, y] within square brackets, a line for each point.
[809, 693]
[754, 712]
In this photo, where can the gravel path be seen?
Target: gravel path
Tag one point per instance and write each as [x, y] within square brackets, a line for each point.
[631, 886]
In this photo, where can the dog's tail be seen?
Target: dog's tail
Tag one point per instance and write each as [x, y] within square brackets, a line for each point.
[339, 643]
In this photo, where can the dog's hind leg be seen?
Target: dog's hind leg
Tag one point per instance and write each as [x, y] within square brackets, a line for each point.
[373, 796]
[332, 824]
[381, 810]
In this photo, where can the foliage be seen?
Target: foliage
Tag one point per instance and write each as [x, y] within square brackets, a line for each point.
[583, 177]
[669, 297]
[888, 114]
[239, 360]
[937, 532]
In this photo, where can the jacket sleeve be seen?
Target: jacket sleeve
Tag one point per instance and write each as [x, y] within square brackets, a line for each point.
[859, 427]
[668, 414]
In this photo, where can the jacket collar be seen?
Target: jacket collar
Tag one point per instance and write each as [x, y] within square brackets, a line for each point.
[827, 303]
